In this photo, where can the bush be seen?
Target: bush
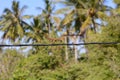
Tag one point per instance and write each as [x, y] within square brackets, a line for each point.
[34, 66]
[8, 61]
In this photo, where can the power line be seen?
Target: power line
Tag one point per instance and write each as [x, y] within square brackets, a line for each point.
[88, 43]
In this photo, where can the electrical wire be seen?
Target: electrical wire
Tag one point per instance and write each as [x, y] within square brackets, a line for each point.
[88, 43]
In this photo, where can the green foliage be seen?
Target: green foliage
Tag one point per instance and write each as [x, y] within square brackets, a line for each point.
[105, 57]
[12, 22]
[8, 61]
[35, 66]
[102, 62]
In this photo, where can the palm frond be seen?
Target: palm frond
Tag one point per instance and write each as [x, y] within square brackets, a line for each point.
[15, 6]
[6, 26]
[68, 18]
[85, 25]
[2, 22]
[12, 23]
[82, 4]
[82, 11]
[25, 23]
[26, 17]
[57, 20]
[62, 11]
[78, 24]
[20, 30]
[116, 11]
[6, 10]
[4, 36]
[102, 15]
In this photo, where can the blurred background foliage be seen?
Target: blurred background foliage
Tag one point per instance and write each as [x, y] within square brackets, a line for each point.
[92, 20]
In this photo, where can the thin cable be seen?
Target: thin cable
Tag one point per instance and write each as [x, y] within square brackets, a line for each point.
[89, 43]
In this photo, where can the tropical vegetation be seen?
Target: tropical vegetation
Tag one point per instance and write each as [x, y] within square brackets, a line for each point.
[79, 21]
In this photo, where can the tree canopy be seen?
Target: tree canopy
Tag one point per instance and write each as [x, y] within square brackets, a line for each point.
[81, 21]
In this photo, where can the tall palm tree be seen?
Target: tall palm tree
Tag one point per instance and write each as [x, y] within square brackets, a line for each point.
[12, 23]
[47, 15]
[94, 9]
[83, 14]
[36, 31]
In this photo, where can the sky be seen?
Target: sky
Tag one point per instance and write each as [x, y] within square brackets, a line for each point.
[32, 4]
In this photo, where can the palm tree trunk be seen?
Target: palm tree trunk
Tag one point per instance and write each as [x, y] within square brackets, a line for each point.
[49, 29]
[75, 49]
[66, 42]
[76, 54]
[66, 49]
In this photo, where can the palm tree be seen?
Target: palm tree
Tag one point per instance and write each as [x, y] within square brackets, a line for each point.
[83, 14]
[47, 16]
[12, 23]
[36, 31]
[95, 10]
